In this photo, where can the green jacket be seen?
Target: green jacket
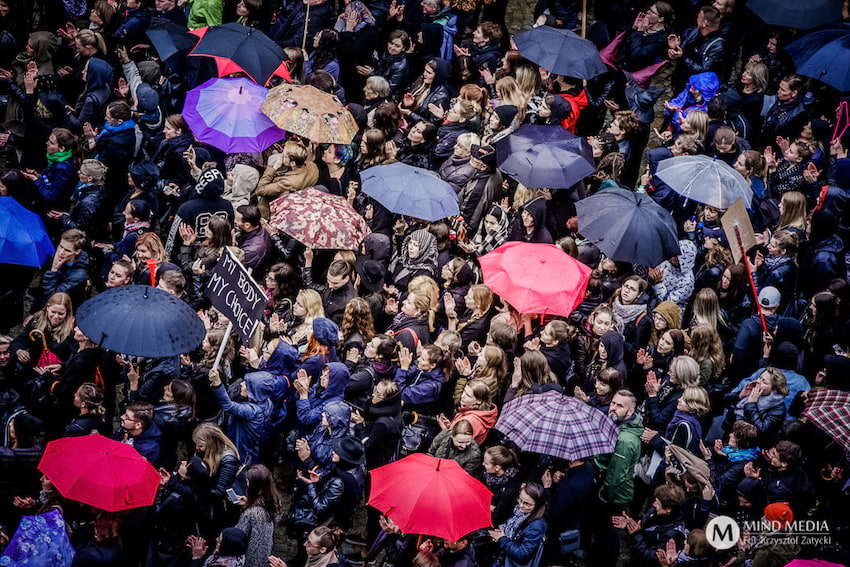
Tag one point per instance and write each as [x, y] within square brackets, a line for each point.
[205, 13]
[618, 468]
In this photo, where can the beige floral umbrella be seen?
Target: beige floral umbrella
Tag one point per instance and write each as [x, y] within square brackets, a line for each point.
[311, 113]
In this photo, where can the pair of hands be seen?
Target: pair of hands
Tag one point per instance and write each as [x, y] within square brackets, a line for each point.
[625, 522]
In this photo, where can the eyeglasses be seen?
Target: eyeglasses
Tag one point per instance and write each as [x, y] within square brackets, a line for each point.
[630, 288]
[524, 503]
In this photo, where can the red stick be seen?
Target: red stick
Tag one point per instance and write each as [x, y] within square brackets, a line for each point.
[152, 270]
[750, 275]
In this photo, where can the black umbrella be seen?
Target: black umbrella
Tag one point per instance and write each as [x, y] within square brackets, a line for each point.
[560, 52]
[795, 14]
[242, 49]
[141, 320]
[170, 40]
[628, 226]
[545, 156]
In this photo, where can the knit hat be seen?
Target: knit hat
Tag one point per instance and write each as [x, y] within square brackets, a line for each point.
[325, 331]
[147, 99]
[506, 113]
[484, 154]
[779, 514]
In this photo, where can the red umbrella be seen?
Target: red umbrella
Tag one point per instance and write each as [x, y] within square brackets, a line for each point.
[430, 496]
[100, 472]
[535, 278]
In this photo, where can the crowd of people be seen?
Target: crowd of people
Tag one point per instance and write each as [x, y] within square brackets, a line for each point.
[366, 356]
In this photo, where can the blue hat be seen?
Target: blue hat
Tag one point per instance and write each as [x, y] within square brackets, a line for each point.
[717, 233]
[326, 331]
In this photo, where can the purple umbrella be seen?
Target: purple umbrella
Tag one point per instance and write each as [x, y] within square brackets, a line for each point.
[557, 425]
[225, 113]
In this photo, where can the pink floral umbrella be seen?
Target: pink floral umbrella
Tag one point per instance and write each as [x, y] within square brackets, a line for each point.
[319, 220]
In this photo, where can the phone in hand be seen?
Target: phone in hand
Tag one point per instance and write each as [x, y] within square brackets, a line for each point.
[232, 495]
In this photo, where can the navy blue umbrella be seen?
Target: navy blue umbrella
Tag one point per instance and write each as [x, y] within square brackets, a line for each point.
[560, 52]
[170, 40]
[545, 157]
[628, 226]
[824, 55]
[796, 14]
[23, 240]
[142, 321]
[411, 191]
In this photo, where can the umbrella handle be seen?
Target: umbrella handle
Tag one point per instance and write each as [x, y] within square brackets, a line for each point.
[35, 333]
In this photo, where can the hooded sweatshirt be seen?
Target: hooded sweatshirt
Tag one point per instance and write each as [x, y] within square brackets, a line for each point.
[537, 209]
[707, 84]
[206, 201]
[91, 106]
[310, 410]
[242, 185]
[246, 421]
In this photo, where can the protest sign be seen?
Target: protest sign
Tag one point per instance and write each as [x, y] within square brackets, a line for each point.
[236, 295]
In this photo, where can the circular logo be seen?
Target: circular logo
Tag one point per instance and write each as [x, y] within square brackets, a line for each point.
[722, 532]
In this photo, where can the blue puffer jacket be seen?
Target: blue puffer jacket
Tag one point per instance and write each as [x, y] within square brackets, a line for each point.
[707, 84]
[339, 417]
[56, 183]
[310, 411]
[419, 388]
[246, 421]
[520, 550]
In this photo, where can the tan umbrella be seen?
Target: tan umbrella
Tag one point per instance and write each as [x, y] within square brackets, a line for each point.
[310, 113]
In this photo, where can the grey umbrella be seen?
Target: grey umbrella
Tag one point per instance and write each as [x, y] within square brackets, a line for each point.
[705, 180]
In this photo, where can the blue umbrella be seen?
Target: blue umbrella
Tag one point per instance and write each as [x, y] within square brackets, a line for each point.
[545, 157]
[411, 191]
[23, 239]
[628, 226]
[560, 52]
[824, 55]
[795, 14]
[142, 321]
[170, 40]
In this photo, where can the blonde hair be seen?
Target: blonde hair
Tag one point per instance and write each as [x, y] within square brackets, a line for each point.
[41, 323]
[216, 445]
[760, 75]
[90, 38]
[312, 303]
[295, 152]
[509, 92]
[696, 398]
[793, 210]
[698, 122]
[467, 139]
[96, 169]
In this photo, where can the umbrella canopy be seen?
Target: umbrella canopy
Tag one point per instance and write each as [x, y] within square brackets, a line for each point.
[628, 226]
[430, 496]
[305, 110]
[824, 55]
[242, 49]
[798, 15]
[319, 220]
[557, 425]
[560, 52]
[226, 113]
[705, 180]
[141, 320]
[535, 278]
[170, 40]
[23, 239]
[100, 472]
[545, 156]
[829, 411]
[411, 191]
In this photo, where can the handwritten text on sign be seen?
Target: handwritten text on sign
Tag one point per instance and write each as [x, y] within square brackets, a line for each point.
[234, 292]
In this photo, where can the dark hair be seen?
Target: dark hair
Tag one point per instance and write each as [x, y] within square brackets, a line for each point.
[326, 50]
[140, 209]
[789, 453]
[288, 281]
[746, 434]
[15, 183]
[503, 336]
[339, 269]
[143, 412]
[119, 110]
[402, 35]
[536, 492]
[220, 233]
[173, 280]
[388, 119]
[261, 491]
[671, 497]
[27, 430]
[183, 393]
[387, 347]
[795, 83]
[711, 15]
[611, 376]
[322, 80]
[491, 31]
[250, 214]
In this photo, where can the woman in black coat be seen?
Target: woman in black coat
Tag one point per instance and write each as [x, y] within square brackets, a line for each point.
[89, 400]
[475, 323]
[379, 429]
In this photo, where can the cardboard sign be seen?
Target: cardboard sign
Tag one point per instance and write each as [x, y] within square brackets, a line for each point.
[234, 292]
[736, 222]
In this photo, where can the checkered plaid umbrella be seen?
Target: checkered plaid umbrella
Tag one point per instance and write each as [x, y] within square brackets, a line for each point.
[557, 425]
[829, 410]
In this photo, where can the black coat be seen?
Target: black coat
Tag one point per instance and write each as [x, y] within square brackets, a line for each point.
[382, 432]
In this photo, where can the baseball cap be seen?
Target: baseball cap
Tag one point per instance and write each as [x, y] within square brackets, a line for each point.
[769, 297]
